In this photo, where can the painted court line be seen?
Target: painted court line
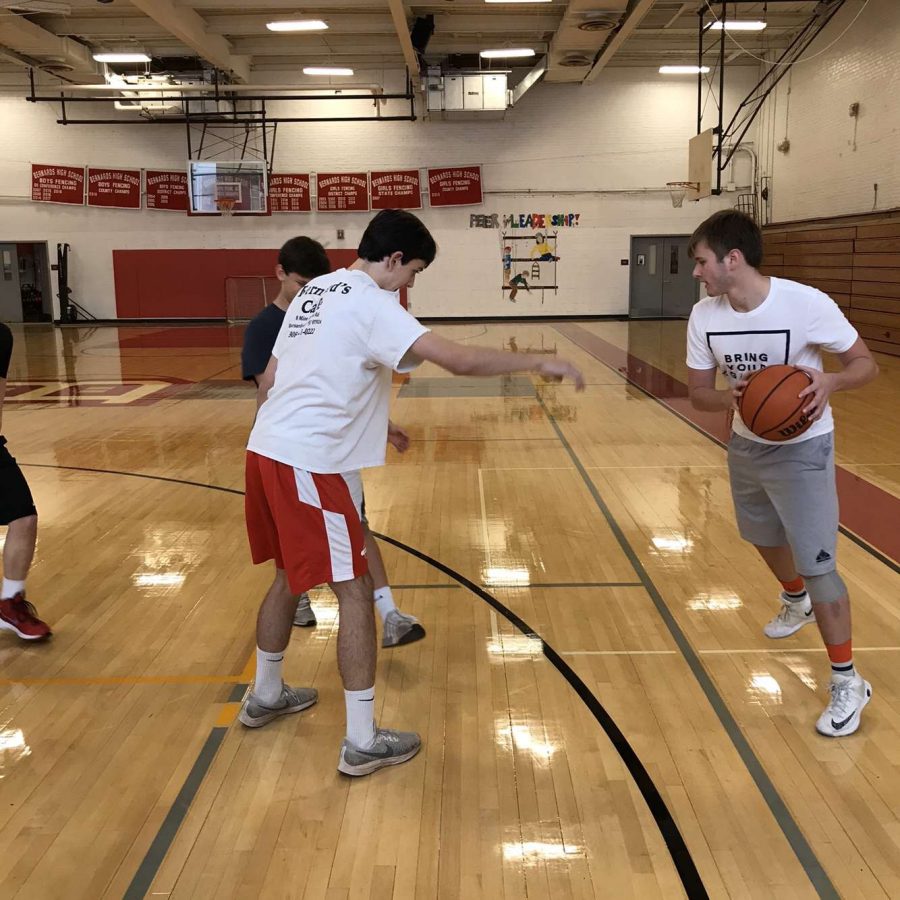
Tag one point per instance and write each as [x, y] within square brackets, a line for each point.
[734, 652]
[782, 815]
[154, 857]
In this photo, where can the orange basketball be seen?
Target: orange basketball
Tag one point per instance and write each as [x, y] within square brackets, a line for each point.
[769, 405]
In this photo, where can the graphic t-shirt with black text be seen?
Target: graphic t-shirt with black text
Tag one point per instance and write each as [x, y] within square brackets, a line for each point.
[790, 327]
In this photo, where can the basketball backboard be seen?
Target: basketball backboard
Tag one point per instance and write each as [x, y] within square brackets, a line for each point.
[242, 181]
[700, 164]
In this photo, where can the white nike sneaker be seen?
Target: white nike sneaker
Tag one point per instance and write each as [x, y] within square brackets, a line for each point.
[848, 699]
[791, 618]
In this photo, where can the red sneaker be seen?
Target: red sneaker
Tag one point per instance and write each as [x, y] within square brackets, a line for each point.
[18, 615]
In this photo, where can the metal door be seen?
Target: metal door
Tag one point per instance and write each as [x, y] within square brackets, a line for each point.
[10, 295]
[680, 291]
[661, 281]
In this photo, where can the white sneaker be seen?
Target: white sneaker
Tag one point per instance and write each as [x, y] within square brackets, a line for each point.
[791, 618]
[253, 713]
[400, 628]
[304, 616]
[390, 749]
[848, 699]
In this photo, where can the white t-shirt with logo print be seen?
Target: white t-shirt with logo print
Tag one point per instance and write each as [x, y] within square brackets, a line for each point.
[327, 411]
[790, 327]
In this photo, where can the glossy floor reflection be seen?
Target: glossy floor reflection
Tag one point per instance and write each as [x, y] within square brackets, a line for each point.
[601, 525]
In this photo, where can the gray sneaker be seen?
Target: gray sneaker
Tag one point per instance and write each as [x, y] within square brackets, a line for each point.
[304, 617]
[399, 628]
[390, 749]
[292, 700]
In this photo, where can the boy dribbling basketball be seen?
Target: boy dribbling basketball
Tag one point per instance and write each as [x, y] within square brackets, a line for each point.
[785, 497]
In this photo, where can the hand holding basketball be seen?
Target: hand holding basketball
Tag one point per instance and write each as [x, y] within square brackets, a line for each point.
[819, 390]
[737, 391]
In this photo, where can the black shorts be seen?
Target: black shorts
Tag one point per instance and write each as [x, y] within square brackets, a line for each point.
[15, 497]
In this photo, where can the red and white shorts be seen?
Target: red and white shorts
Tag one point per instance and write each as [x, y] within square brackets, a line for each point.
[308, 523]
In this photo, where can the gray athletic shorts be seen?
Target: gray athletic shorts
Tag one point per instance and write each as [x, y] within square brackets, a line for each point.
[786, 494]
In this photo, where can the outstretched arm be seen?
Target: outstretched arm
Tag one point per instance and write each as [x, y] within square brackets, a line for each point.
[464, 360]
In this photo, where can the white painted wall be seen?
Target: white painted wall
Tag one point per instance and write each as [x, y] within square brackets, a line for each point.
[834, 161]
[560, 150]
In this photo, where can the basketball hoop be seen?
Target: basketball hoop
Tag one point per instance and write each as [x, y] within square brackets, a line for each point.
[225, 205]
[678, 189]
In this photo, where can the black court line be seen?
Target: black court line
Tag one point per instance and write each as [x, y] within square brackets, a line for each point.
[200, 484]
[804, 853]
[681, 857]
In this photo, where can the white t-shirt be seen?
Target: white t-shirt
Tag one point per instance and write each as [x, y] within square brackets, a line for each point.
[327, 411]
[789, 327]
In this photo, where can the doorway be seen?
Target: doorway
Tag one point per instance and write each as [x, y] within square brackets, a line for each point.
[662, 286]
[25, 292]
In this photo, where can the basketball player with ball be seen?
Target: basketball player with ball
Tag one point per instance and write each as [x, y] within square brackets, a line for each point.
[766, 336]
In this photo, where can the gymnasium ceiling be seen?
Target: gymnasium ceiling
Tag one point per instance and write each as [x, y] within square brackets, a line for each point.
[578, 38]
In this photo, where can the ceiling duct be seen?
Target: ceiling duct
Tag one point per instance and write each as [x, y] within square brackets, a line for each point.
[601, 22]
[575, 61]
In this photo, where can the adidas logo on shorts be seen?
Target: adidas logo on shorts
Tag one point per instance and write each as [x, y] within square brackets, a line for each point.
[823, 556]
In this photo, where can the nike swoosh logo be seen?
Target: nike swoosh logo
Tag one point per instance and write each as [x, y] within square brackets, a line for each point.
[380, 754]
[808, 614]
[837, 726]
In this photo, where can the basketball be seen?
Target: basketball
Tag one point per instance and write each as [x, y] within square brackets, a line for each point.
[769, 405]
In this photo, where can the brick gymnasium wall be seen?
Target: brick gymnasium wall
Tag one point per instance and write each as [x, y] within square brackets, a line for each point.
[854, 259]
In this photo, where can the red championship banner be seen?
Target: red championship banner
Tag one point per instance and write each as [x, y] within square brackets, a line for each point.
[167, 190]
[396, 190]
[289, 193]
[454, 187]
[344, 192]
[114, 188]
[57, 184]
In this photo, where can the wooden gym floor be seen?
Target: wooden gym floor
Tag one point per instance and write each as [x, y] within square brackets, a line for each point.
[601, 714]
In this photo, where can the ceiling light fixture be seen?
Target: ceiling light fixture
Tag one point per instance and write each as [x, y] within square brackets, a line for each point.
[507, 53]
[297, 25]
[683, 70]
[122, 57]
[326, 70]
[736, 25]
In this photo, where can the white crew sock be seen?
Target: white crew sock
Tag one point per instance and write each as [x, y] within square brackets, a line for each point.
[268, 683]
[11, 588]
[384, 602]
[361, 717]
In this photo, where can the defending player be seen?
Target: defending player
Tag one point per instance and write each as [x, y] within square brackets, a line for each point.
[324, 419]
[299, 261]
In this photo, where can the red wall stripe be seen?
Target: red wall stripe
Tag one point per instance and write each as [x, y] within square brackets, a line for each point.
[188, 284]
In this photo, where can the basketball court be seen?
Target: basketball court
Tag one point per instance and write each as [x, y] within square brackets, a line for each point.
[600, 711]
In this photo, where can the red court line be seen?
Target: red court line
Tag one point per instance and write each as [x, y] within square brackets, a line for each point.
[868, 511]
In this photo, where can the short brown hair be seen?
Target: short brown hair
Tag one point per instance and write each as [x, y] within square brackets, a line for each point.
[729, 230]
